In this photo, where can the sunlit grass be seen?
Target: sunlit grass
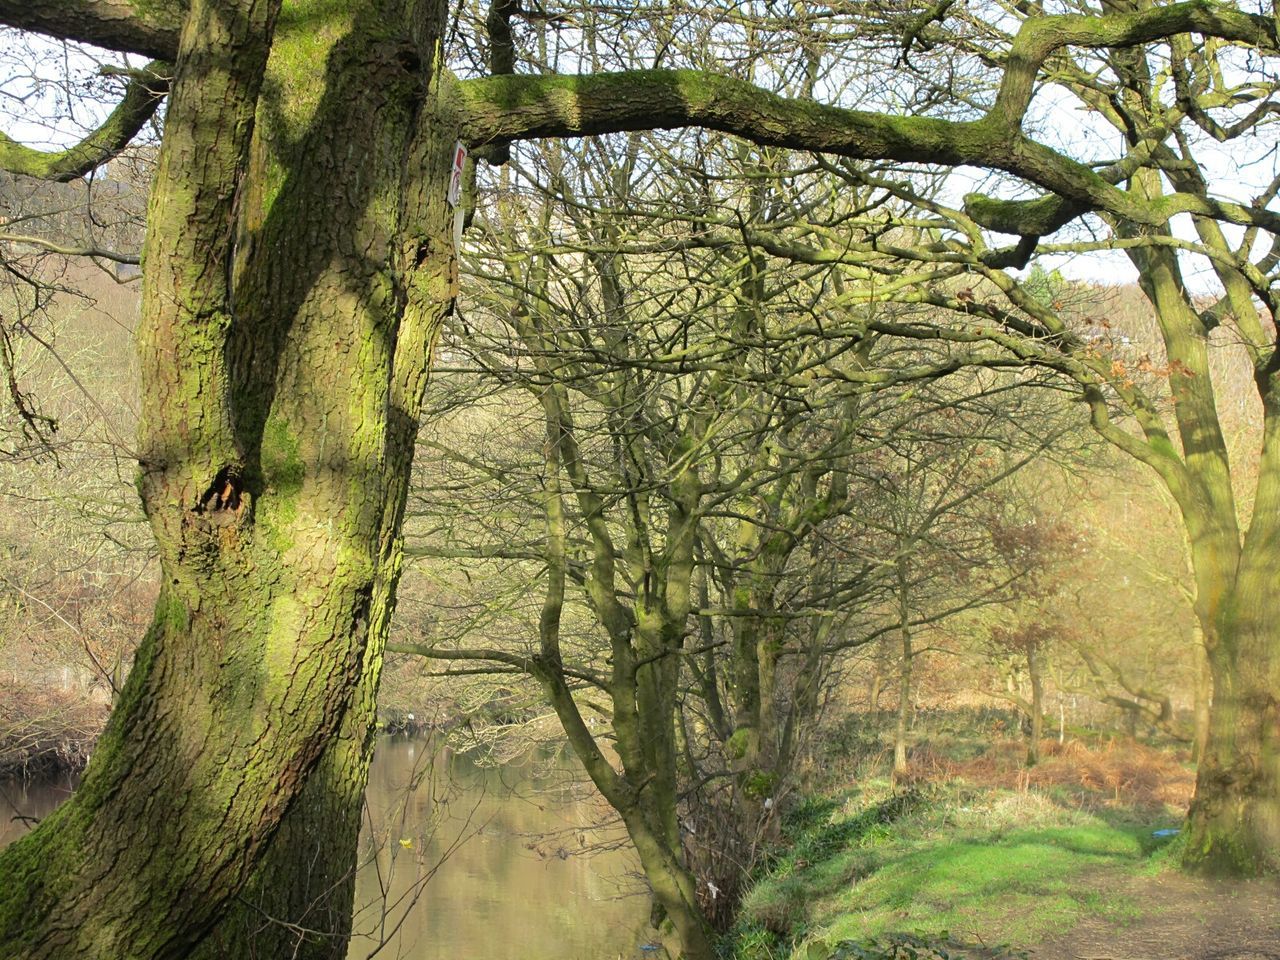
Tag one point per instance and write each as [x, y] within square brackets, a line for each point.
[975, 865]
[1026, 884]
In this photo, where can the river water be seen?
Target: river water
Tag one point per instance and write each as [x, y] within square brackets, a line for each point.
[461, 860]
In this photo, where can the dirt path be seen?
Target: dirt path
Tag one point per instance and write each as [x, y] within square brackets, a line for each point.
[1182, 918]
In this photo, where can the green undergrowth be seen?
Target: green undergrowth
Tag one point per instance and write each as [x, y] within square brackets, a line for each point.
[940, 873]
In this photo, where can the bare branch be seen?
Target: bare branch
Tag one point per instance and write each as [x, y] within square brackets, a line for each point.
[70, 251]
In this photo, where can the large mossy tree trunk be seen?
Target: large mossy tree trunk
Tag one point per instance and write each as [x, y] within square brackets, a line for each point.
[1234, 820]
[298, 902]
[297, 266]
[350, 281]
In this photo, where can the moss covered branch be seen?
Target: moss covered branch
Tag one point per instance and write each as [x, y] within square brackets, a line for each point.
[1041, 37]
[149, 27]
[505, 109]
[141, 99]
[500, 110]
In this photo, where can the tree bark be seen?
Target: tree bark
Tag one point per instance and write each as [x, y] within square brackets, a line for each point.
[1035, 673]
[1203, 701]
[904, 678]
[1234, 821]
[280, 262]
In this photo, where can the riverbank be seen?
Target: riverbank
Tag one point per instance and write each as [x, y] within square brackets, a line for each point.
[44, 731]
[981, 858]
[48, 731]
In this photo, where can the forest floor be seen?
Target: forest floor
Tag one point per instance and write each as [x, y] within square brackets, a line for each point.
[1181, 918]
[980, 857]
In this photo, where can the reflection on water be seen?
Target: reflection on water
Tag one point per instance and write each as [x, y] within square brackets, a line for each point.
[467, 862]
[506, 844]
[24, 802]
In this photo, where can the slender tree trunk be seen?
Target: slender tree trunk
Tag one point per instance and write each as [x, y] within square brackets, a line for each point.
[656, 712]
[1036, 674]
[903, 721]
[645, 640]
[877, 676]
[645, 817]
[673, 886]
[904, 678]
[807, 692]
[752, 750]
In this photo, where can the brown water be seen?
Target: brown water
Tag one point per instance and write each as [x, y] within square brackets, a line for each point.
[463, 861]
[21, 800]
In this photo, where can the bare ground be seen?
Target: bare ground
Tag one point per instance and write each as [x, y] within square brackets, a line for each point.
[1181, 918]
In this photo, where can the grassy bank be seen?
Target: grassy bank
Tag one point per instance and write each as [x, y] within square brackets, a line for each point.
[976, 857]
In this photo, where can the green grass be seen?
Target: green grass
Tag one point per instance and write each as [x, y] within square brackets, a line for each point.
[1020, 884]
[973, 865]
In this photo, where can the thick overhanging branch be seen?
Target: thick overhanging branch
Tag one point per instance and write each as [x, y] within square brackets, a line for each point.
[506, 109]
[500, 110]
[509, 108]
[149, 27]
[141, 99]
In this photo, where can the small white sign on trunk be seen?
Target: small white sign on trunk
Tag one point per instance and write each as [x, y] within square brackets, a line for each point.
[455, 181]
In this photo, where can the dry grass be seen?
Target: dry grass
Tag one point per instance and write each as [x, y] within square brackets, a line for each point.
[1114, 773]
